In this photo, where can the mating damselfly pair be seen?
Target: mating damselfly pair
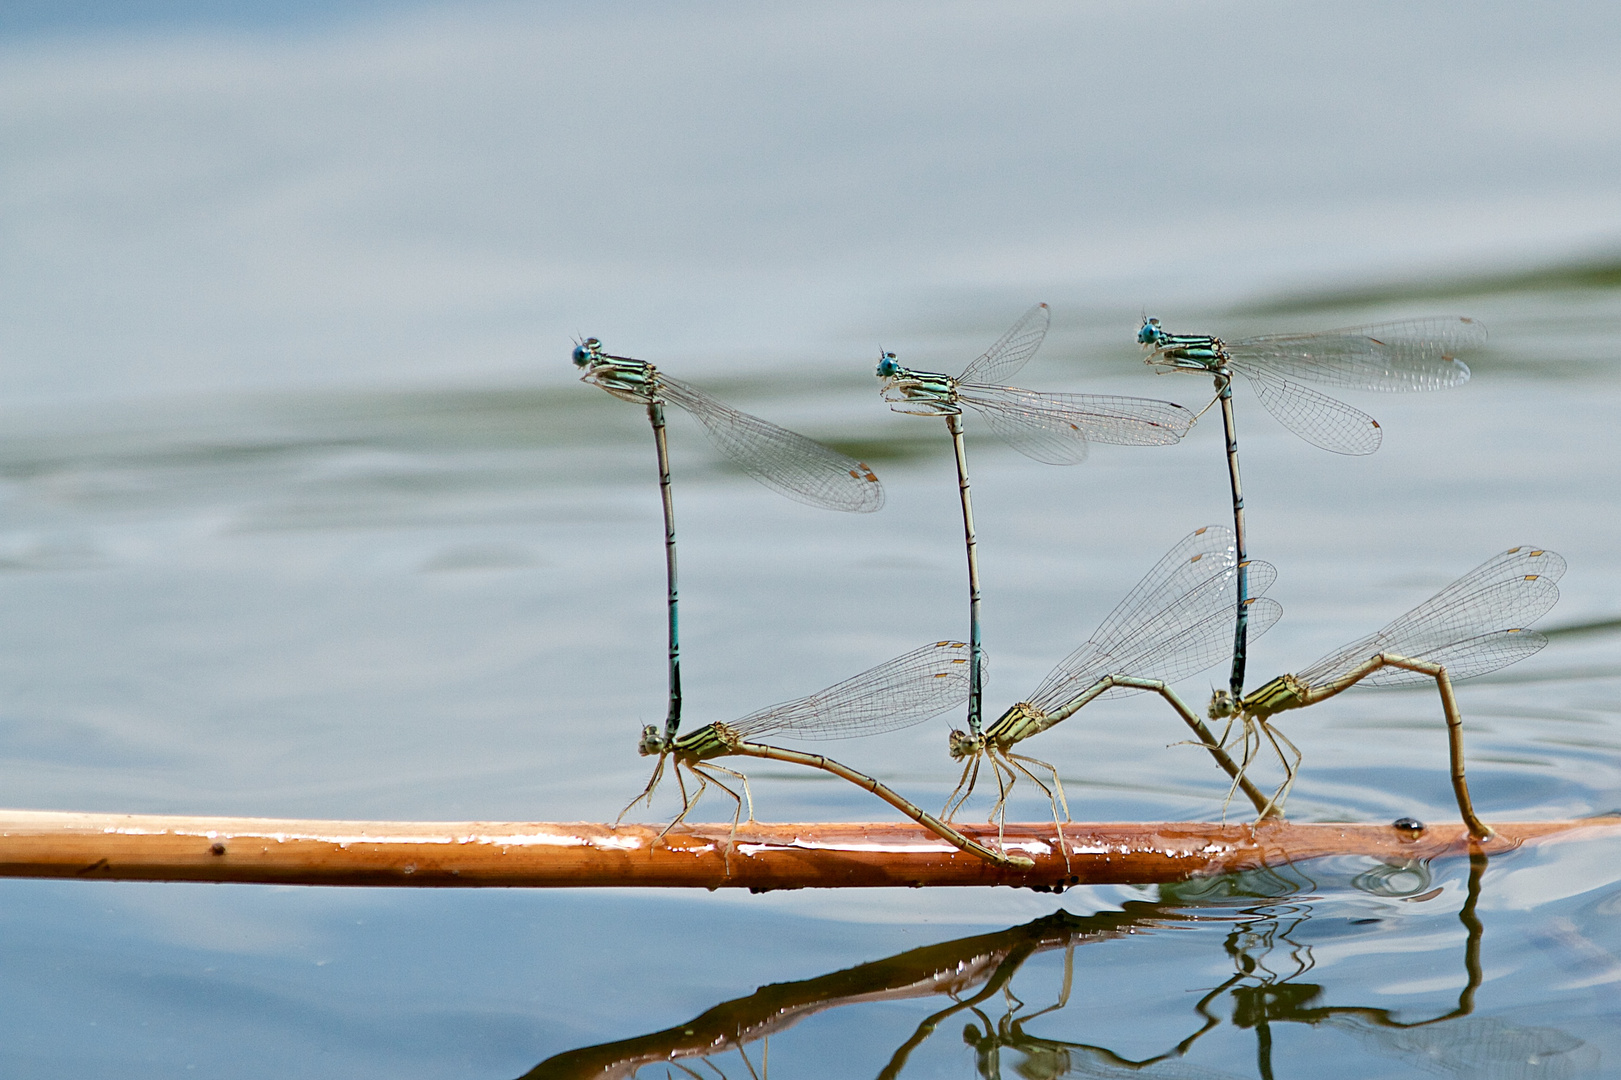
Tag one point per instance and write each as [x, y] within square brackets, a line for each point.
[1198, 606]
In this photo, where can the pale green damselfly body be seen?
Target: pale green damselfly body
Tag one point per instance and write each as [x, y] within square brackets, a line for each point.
[800, 468]
[1171, 625]
[1051, 428]
[1473, 626]
[1419, 354]
[896, 694]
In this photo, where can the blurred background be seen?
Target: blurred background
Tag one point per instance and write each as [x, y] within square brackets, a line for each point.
[214, 196]
[302, 511]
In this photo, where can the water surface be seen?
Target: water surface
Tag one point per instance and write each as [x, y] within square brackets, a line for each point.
[447, 603]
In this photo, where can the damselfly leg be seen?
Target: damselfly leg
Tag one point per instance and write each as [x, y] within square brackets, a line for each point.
[1475, 625]
[1172, 624]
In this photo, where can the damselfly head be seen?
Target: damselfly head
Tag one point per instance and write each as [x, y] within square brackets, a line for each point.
[888, 367]
[1150, 334]
[961, 744]
[1222, 705]
[587, 352]
[651, 742]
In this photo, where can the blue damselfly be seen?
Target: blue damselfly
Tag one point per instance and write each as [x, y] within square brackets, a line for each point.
[800, 468]
[1051, 428]
[1419, 354]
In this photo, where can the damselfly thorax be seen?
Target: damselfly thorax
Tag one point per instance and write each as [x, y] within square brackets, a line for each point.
[1017, 724]
[629, 380]
[1183, 352]
[1281, 694]
[918, 393]
[711, 740]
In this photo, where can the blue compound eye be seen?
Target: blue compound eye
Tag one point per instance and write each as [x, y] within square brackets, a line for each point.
[587, 351]
[887, 366]
[1149, 332]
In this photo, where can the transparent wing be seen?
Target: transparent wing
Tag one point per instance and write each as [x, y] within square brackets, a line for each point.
[1317, 418]
[800, 468]
[1191, 647]
[1477, 623]
[1468, 658]
[896, 694]
[1189, 636]
[1130, 652]
[1175, 623]
[1417, 354]
[1055, 428]
[1026, 422]
[1014, 349]
[1518, 562]
[1195, 558]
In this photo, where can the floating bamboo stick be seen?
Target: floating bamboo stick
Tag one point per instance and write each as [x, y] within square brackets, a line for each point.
[133, 847]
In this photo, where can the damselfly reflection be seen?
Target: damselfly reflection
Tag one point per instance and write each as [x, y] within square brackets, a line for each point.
[1035, 999]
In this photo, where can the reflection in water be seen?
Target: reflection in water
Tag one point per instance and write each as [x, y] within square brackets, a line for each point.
[1042, 1058]
[953, 968]
[1481, 1048]
[1267, 988]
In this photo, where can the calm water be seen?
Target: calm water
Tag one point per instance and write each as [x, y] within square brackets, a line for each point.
[448, 605]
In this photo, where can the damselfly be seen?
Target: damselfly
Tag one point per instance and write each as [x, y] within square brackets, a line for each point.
[1473, 626]
[1420, 354]
[1171, 625]
[1051, 428]
[804, 470]
[899, 693]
